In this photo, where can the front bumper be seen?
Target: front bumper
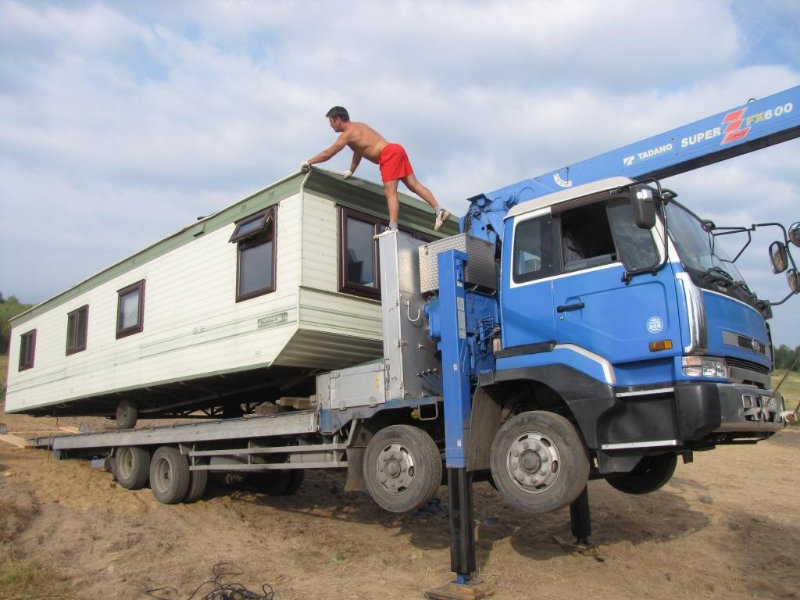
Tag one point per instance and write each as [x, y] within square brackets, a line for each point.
[705, 408]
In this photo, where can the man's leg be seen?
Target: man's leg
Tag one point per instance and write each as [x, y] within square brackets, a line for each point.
[415, 186]
[420, 190]
[392, 203]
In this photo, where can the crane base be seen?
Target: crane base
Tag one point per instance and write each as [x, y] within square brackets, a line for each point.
[474, 590]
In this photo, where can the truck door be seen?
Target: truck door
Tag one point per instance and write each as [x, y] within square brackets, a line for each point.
[599, 309]
[528, 321]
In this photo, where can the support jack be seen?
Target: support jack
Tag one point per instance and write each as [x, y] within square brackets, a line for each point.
[462, 543]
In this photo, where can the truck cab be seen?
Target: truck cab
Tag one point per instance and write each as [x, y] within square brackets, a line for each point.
[619, 313]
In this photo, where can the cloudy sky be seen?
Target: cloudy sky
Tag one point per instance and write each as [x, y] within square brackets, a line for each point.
[121, 122]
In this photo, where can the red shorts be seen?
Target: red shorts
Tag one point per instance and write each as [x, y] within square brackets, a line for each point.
[394, 163]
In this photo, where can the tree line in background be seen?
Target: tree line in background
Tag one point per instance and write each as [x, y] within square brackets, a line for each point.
[9, 308]
[786, 358]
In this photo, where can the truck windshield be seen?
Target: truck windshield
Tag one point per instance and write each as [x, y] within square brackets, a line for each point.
[707, 263]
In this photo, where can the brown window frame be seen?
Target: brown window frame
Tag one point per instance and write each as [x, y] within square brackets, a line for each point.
[346, 286]
[74, 344]
[246, 238]
[139, 326]
[349, 287]
[27, 350]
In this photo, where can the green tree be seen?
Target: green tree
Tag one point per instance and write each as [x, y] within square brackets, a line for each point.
[9, 308]
[786, 358]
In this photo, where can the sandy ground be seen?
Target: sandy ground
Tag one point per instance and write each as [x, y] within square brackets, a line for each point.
[724, 527]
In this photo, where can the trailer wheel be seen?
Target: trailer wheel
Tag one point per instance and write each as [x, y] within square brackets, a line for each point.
[169, 475]
[402, 468]
[131, 466]
[198, 480]
[650, 474]
[538, 461]
[127, 414]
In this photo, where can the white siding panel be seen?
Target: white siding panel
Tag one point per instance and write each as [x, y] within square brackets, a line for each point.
[192, 323]
[320, 244]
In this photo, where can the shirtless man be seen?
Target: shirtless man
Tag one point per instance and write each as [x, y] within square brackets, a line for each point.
[367, 143]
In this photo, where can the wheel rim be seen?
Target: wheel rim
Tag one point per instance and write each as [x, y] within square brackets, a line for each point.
[533, 462]
[125, 462]
[396, 469]
[163, 475]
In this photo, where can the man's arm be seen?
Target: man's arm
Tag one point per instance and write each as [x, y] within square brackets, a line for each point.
[354, 163]
[330, 152]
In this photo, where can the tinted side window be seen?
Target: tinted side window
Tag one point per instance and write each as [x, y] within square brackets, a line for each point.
[533, 250]
[637, 248]
[586, 238]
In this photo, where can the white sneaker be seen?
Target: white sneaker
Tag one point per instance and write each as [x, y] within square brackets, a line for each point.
[441, 218]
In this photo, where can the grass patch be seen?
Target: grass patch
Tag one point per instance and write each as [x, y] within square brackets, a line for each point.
[13, 519]
[22, 579]
[790, 389]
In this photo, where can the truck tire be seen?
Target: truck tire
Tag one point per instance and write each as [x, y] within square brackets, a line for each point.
[402, 468]
[650, 474]
[127, 414]
[131, 467]
[539, 462]
[284, 482]
[169, 475]
[198, 480]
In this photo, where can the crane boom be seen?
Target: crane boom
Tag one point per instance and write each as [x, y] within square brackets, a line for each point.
[751, 126]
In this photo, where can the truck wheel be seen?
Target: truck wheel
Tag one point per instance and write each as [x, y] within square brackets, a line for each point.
[538, 461]
[402, 468]
[198, 480]
[650, 474]
[280, 483]
[127, 414]
[169, 475]
[131, 467]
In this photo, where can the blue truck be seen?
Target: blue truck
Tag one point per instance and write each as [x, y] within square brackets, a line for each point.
[584, 324]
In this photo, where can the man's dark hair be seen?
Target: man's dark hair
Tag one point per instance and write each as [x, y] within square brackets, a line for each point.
[338, 112]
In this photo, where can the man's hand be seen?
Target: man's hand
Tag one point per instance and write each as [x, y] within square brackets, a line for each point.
[305, 166]
[347, 174]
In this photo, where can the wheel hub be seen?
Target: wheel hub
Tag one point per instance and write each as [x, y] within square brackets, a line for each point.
[533, 462]
[395, 468]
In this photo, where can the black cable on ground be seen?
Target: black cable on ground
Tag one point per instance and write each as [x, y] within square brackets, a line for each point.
[219, 589]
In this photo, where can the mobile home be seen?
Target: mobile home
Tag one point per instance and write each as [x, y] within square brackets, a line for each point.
[237, 309]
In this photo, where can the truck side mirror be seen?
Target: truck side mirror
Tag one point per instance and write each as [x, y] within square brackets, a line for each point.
[794, 281]
[778, 257]
[794, 234]
[644, 207]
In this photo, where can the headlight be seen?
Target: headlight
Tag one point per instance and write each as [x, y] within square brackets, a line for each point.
[704, 366]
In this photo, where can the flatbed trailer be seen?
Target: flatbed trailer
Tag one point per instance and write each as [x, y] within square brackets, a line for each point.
[398, 396]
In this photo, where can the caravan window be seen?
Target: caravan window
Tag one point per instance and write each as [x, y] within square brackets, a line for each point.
[358, 255]
[255, 248]
[27, 348]
[359, 271]
[77, 322]
[130, 310]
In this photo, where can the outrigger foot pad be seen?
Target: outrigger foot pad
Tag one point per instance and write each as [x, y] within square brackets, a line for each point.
[473, 590]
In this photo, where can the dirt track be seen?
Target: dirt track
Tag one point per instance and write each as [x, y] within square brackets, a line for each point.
[724, 527]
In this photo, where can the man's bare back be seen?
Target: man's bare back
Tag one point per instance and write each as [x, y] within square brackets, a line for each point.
[364, 140]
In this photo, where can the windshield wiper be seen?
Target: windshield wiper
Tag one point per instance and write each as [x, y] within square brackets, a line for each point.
[718, 275]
